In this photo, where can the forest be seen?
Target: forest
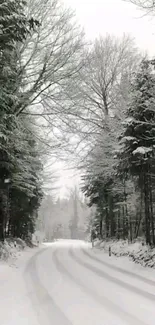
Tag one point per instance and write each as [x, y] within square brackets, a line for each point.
[90, 105]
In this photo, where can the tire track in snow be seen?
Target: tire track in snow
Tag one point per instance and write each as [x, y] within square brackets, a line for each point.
[103, 274]
[119, 269]
[103, 301]
[46, 308]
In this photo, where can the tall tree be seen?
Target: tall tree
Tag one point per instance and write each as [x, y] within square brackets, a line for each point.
[15, 28]
[49, 57]
[99, 90]
[137, 153]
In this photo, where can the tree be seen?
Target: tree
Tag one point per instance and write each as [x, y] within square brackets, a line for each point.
[16, 168]
[50, 55]
[105, 91]
[15, 28]
[137, 153]
[74, 220]
[26, 184]
[107, 193]
[109, 62]
[98, 91]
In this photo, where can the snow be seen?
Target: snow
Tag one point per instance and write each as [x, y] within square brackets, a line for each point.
[137, 252]
[15, 304]
[84, 296]
[10, 249]
[64, 283]
[68, 243]
[129, 138]
[128, 120]
[142, 150]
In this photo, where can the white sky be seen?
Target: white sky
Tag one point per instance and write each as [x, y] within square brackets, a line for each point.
[99, 17]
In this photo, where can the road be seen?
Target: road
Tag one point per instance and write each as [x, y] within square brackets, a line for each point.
[69, 284]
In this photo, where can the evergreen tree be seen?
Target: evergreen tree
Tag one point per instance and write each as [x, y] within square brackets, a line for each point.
[18, 168]
[138, 141]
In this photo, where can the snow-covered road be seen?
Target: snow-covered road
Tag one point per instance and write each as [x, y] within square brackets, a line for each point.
[68, 283]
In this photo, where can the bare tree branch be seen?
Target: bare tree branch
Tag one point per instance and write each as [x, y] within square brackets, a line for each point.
[147, 5]
[51, 54]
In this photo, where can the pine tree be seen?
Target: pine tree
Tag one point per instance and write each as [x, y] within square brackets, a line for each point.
[138, 140]
[14, 28]
[17, 163]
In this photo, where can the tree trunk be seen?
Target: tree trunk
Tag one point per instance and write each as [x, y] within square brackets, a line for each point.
[125, 223]
[140, 213]
[151, 210]
[106, 216]
[118, 224]
[107, 223]
[112, 220]
[138, 224]
[1, 228]
[101, 230]
[147, 212]
[3, 213]
[131, 234]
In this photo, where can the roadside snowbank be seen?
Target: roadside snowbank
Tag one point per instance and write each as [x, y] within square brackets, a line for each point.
[16, 305]
[11, 248]
[137, 252]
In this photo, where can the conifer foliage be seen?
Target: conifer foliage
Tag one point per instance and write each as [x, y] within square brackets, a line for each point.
[20, 166]
[125, 199]
[137, 157]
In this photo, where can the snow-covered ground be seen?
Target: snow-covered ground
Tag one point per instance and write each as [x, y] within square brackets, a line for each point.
[69, 283]
[15, 304]
[10, 249]
[137, 252]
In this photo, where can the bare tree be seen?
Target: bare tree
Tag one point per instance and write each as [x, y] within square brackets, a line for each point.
[108, 63]
[101, 93]
[74, 92]
[51, 54]
[148, 5]
[49, 58]
[103, 89]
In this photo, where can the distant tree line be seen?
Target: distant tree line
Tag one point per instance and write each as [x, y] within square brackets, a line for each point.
[65, 217]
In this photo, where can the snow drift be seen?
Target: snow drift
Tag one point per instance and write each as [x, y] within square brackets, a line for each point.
[137, 252]
[12, 247]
